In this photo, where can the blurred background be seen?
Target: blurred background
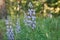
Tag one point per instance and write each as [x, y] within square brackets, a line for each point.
[47, 19]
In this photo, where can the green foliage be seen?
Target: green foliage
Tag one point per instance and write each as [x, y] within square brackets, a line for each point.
[46, 29]
[39, 8]
[51, 1]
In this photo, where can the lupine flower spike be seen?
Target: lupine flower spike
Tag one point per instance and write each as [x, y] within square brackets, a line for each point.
[31, 16]
[18, 25]
[10, 33]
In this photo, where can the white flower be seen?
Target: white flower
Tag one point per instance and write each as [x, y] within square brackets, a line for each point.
[33, 26]
[30, 12]
[30, 5]
[33, 17]
[7, 22]
[29, 21]
[28, 17]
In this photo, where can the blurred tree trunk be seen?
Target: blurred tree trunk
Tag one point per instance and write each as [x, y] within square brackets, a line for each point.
[3, 13]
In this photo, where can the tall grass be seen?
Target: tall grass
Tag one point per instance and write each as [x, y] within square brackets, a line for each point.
[46, 29]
